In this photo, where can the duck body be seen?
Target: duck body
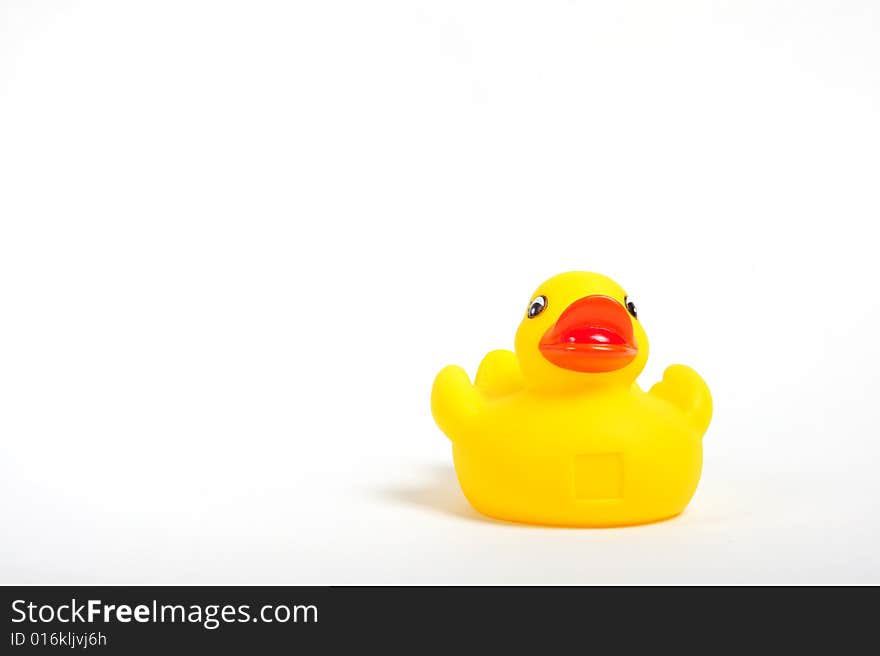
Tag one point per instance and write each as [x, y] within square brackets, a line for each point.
[601, 459]
[584, 447]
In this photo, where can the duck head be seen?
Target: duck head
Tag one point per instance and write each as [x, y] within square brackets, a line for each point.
[580, 330]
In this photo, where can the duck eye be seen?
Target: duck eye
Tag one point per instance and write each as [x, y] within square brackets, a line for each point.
[631, 307]
[537, 306]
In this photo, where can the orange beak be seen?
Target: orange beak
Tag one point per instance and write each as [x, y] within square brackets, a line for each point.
[593, 335]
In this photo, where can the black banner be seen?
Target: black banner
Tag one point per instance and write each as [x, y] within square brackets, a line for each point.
[169, 620]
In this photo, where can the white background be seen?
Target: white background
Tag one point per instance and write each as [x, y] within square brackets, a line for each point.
[237, 241]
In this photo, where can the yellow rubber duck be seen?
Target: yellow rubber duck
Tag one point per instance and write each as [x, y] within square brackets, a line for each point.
[559, 432]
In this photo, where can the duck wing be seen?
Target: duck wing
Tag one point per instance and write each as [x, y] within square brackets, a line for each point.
[686, 390]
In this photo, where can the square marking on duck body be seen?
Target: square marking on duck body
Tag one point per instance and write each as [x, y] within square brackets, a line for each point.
[598, 476]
